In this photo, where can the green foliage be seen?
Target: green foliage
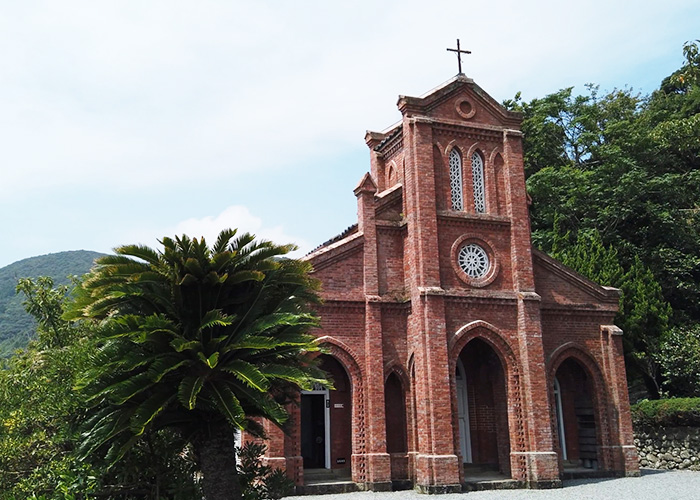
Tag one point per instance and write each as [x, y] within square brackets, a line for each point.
[627, 167]
[258, 481]
[40, 415]
[38, 419]
[588, 256]
[667, 413]
[194, 338]
[625, 170]
[17, 326]
[679, 358]
[39, 410]
[643, 314]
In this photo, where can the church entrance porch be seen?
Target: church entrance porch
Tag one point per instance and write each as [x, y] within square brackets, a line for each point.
[482, 411]
[575, 417]
[326, 422]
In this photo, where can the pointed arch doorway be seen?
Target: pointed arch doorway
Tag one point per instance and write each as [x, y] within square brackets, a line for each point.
[576, 415]
[326, 420]
[482, 408]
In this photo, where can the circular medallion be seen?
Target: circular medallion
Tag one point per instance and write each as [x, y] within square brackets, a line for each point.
[473, 260]
[464, 108]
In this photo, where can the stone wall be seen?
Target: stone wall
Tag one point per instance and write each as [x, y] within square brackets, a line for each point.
[668, 447]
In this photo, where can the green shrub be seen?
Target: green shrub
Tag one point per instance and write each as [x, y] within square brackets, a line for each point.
[674, 412]
[258, 481]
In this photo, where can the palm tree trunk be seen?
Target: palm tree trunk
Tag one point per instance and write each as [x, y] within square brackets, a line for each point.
[216, 455]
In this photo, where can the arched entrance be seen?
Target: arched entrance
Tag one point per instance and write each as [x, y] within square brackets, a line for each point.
[482, 407]
[575, 416]
[395, 412]
[326, 421]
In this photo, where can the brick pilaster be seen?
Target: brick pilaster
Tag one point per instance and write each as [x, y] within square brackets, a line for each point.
[377, 459]
[624, 454]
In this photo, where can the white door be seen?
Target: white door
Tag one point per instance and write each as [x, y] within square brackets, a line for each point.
[560, 419]
[463, 412]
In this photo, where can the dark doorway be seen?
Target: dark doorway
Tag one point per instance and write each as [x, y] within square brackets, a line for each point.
[313, 430]
[577, 427]
[326, 420]
[483, 384]
[395, 411]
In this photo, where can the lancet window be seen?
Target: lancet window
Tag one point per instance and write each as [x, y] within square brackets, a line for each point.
[456, 180]
[478, 181]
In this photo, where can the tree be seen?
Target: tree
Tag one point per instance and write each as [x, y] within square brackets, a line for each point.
[626, 167]
[45, 303]
[200, 340]
[40, 413]
[39, 410]
[680, 361]
[644, 313]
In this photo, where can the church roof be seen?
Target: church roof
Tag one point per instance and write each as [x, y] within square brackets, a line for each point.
[350, 230]
[396, 132]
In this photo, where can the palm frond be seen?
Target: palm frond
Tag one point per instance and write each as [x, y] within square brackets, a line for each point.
[215, 317]
[149, 409]
[227, 403]
[188, 390]
[164, 364]
[223, 240]
[303, 378]
[123, 390]
[248, 374]
[142, 252]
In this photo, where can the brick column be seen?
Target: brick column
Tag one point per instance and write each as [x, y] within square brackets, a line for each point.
[541, 461]
[625, 460]
[377, 459]
[437, 466]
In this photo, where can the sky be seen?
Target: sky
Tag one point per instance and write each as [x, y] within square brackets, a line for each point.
[125, 121]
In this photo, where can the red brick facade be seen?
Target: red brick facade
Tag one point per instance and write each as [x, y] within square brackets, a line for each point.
[437, 365]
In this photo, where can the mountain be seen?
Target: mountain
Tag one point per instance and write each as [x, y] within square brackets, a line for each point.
[16, 325]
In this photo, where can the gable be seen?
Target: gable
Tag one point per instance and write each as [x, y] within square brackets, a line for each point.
[559, 285]
[338, 265]
[460, 100]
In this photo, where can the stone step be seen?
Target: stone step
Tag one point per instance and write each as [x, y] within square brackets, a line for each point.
[326, 475]
[335, 487]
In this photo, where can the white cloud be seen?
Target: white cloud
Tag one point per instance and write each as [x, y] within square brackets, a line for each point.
[238, 217]
[235, 217]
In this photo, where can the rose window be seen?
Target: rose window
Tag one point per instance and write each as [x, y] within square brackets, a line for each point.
[473, 260]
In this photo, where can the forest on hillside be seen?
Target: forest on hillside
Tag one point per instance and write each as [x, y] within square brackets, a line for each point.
[17, 326]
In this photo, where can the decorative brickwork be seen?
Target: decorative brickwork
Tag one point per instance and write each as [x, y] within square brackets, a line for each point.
[448, 360]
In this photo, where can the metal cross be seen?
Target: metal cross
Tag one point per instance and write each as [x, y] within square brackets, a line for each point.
[459, 55]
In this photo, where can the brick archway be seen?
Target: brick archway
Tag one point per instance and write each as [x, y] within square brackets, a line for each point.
[488, 333]
[492, 336]
[599, 397]
[349, 361]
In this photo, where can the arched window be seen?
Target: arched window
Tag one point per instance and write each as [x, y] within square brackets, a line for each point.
[456, 180]
[478, 179]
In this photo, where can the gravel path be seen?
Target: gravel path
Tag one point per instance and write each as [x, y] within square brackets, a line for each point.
[653, 485]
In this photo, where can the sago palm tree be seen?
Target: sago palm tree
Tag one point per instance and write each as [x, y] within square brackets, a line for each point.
[200, 340]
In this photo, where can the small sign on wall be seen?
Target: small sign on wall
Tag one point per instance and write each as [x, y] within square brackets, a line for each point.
[340, 460]
[338, 405]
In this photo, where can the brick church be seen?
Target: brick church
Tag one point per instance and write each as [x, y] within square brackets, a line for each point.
[454, 345]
